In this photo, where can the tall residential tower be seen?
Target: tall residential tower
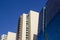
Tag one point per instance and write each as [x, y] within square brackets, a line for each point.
[28, 26]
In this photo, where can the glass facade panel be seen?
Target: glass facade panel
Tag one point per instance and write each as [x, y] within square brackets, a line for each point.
[53, 28]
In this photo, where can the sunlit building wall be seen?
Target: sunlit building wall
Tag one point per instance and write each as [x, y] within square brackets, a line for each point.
[28, 26]
[9, 36]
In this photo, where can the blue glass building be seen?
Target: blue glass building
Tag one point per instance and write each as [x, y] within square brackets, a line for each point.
[52, 27]
[51, 21]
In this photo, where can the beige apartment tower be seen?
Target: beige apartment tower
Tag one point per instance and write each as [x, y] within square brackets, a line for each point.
[28, 26]
[8, 36]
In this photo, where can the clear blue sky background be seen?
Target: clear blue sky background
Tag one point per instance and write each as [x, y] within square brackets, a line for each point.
[10, 10]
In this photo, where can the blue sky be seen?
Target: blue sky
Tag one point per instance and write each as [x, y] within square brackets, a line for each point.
[10, 10]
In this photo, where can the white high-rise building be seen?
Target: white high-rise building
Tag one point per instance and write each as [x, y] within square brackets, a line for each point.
[9, 36]
[28, 26]
[3, 37]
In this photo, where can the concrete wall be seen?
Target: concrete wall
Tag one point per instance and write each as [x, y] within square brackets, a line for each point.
[11, 36]
[34, 17]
